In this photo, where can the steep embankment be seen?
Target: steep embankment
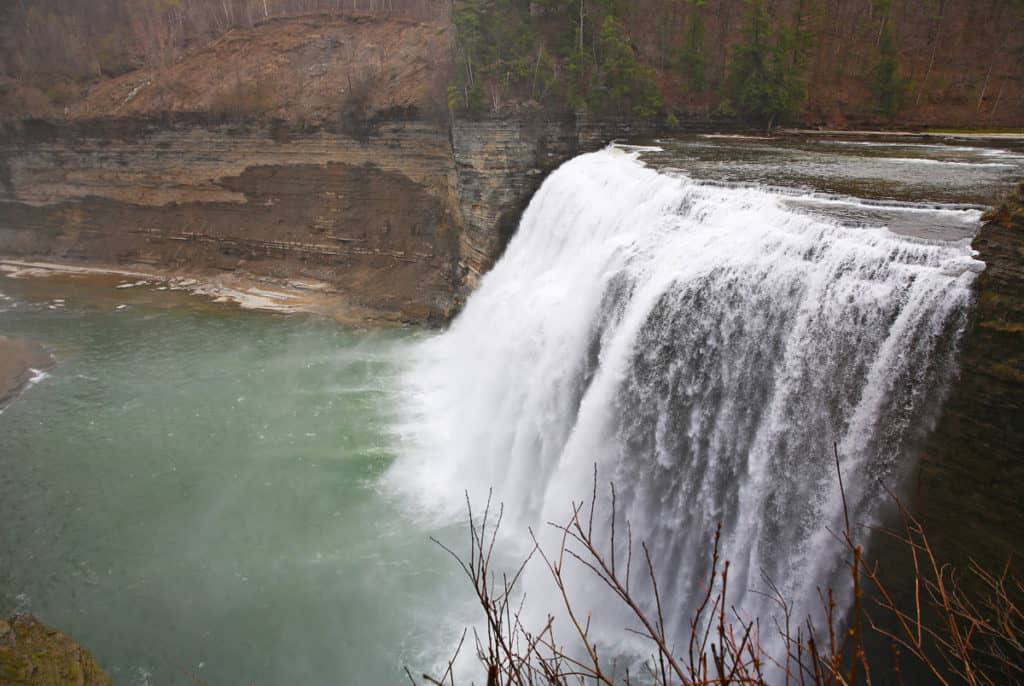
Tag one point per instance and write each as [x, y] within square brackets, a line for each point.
[309, 69]
[979, 443]
[303, 149]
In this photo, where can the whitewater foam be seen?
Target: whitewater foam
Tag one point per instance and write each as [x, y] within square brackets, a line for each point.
[948, 163]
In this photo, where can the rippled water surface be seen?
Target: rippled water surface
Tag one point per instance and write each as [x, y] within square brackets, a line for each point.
[195, 489]
[906, 184]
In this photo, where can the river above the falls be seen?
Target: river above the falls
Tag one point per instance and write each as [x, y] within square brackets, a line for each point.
[249, 497]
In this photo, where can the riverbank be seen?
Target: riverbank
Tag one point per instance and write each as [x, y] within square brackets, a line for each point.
[34, 654]
[20, 361]
[233, 289]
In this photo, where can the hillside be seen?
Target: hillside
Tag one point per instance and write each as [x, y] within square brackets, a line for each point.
[888, 63]
[310, 69]
[894, 63]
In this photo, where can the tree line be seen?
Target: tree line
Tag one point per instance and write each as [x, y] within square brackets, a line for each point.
[764, 60]
[767, 61]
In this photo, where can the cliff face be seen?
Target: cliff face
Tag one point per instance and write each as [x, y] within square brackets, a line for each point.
[400, 218]
[308, 149]
[301, 149]
[376, 218]
[499, 168]
[501, 165]
[975, 453]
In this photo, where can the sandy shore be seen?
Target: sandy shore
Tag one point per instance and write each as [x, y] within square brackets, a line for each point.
[235, 289]
[20, 360]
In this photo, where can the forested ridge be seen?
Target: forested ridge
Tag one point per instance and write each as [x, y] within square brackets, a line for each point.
[886, 62]
[766, 60]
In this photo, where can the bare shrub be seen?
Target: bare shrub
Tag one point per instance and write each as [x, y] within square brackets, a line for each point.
[954, 636]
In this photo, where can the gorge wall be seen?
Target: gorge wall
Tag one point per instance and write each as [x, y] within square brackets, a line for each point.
[308, 148]
[400, 219]
[377, 219]
[975, 452]
[317, 147]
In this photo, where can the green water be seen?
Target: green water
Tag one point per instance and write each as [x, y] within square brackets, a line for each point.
[194, 489]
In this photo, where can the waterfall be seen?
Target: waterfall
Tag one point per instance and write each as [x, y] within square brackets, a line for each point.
[705, 347]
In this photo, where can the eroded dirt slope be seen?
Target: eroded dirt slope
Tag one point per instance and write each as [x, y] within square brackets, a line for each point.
[313, 69]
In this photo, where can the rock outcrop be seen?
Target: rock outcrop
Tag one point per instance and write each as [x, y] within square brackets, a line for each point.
[400, 218]
[977, 450]
[18, 359]
[501, 163]
[376, 218]
[33, 654]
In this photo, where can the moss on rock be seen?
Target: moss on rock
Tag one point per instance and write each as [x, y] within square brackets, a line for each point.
[1009, 213]
[33, 654]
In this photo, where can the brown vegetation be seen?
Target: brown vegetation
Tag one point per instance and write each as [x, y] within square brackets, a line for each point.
[942, 633]
[903, 62]
[55, 53]
[33, 654]
[310, 69]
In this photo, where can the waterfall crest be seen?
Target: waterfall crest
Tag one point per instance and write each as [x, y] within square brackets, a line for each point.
[704, 347]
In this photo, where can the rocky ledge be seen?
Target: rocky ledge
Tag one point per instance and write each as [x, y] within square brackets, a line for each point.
[33, 654]
[18, 359]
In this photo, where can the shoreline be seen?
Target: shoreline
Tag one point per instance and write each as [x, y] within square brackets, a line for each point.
[21, 361]
[233, 289]
[995, 136]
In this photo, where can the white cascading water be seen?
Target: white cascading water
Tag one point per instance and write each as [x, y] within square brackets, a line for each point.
[704, 347]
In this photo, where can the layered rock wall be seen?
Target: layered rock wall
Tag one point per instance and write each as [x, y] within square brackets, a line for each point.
[976, 454]
[401, 218]
[376, 218]
[500, 165]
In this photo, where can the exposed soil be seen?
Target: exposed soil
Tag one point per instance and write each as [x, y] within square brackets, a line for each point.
[312, 69]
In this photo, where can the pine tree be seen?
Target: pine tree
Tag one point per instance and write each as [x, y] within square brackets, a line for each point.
[887, 84]
[629, 86]
[765, 82]
[694, 59]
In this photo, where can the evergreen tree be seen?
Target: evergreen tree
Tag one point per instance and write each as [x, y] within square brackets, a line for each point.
[887, 84]
[495, 44]
[629, 86]
[765, 82]
[694, 59]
